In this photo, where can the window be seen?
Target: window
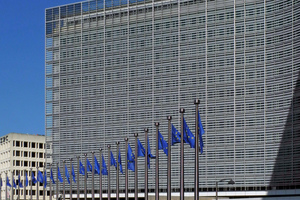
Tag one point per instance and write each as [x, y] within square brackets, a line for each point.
[25, 144]
[17, 163]
[40, 155]
[18, 153]
[25, 153]
[33, 145]
[25, 163]
[33, 154]
[41, 145]
[33, 164]
[17, 143]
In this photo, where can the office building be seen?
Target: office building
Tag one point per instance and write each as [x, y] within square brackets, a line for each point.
[19, 153]
[115, 67]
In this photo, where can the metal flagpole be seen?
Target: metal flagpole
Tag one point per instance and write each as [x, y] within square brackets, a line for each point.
[146, 163]
[12, 186]
[50, 183]
[19, 185]
[169, 158]
[136, 169]
[93, 175]
[6, 185]
[118, 168]
[85, 176]
[157, 164]
[126, 168]
[71, 177]
[44, 193]
[37, 183]
[57, 193]
[100, 176]
[108, 170]
[196, 186]
[31, 184]
[182, 110]
[78, 177]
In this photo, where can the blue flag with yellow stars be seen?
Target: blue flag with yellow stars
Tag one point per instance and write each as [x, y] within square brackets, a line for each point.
[51, 176]
[175, 135]
[14, 183]
[113, 161]
[97, 166]
[40, 177]
[162, 144]
[59, 175]
[130, 159]
[7, 182]
[20, 183]
[33, 179]
[200, 132]
[90, 167]
[104, 168]
[45, 179]
[81, 168]
[120, 162]
[141, 149]
[67, 174]
[73, 174]
[26, 179]
[188, 136]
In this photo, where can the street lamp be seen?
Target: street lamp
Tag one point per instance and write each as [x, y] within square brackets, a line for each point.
[230, 182]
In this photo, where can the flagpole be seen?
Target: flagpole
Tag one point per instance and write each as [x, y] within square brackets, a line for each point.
[50, 183]
[93, 175]
[44, 197]
[56, 181]
[37, 183]
[108, 176]
[146, 163]
[85, 177]
[169, 158]
[12, 185]
[31, 184]
[118, 168]
[6, 185]
[24, 185]
[157, 164]
[136, 168]
[196, 186]
[71, 177]
[64, 184]
[100, 176]
[19, 185]
[182, 110]
[77, 177]
[126, 168]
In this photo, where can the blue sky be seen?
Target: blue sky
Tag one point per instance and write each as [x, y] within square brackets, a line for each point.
[22, 64]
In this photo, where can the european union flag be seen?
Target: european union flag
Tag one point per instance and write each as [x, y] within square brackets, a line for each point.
[51, 176]
[26, 179]
[97, 166]
[33, 179]
[1, 182]
[14, 183]
[162, 144]
[175, 135]
[20, 183]
[141, 149]
[112, 160]
[120, 162]
[104, 168]
[73, 174]
[67, 174]
[59, 175]
[149, 154]
[130, 159]
[45, 180]
[7, 182]
[81, 168]
[40, 176]
[90, 167]
[200, 132]
[188, 136]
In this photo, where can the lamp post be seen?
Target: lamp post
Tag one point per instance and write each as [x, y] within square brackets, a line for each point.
[230, 182]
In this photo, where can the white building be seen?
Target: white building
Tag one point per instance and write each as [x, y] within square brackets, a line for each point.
[20, 153]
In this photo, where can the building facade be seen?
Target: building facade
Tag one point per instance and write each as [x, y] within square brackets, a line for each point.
[20, 153]
[115, 67]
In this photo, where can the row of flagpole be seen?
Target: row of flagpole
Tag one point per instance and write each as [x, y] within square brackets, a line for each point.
[101, 169]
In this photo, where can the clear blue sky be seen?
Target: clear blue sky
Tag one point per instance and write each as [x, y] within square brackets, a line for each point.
[22, 36]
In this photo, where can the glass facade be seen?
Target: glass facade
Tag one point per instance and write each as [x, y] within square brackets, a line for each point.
[116, 67]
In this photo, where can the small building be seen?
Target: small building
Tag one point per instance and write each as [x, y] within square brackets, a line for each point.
[20, 153]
